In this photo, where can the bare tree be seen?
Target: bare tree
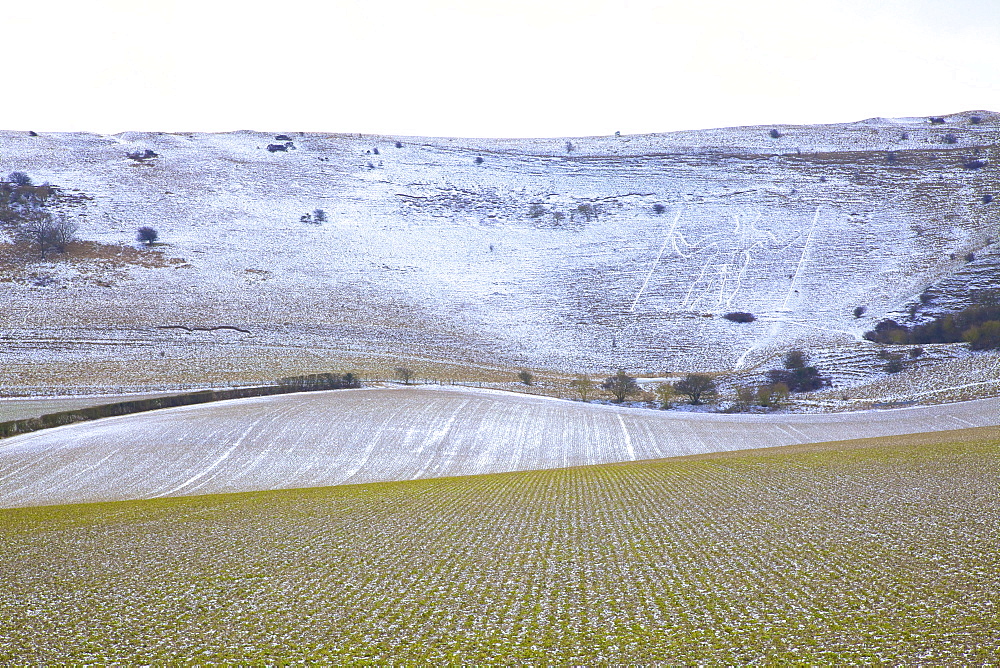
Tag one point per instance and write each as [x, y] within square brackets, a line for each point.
[583, 386]
[620, 385]
[404, 374]
[49, 233]
[695, 386]
[525, 377]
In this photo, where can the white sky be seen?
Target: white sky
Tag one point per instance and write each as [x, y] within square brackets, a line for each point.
[490, 68]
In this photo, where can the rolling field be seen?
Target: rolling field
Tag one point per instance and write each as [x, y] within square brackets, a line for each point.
[883, 550]
[377, 435]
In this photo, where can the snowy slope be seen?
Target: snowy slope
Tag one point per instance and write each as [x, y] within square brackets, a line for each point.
[434, 258]
[353, 436]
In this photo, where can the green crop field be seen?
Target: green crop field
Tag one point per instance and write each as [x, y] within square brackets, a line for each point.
[857, 552]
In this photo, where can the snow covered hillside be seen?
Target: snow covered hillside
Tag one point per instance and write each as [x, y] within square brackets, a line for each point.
[462, 256]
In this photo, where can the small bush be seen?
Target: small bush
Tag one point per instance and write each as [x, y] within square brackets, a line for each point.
[916, 352]
[147, 235]
[569, 147]
[319, 216]
[894, 365]
[987, 199]
[860, 311]
[950, 138]
[479, 159]
[774, 133]
[404, 374]
[536, 211]
[890, 157]
[399, 144]
[273, 148]
[976, 120]
[974, 164]
[904, 136]
[740, 316]
[583, 386]
[659, 208]
[282, 138]
[798, 375]
[936, 120]
[970, 256]
[32, 133]
[526, 377]
[375, 150]
[665, 395]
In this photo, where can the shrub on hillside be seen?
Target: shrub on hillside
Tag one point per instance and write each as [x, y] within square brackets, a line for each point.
[740, 316]
[526, 377]
[147, 235]
[774, 133]
[659, 208]
[987, 199]
[860, 311]
[798, 375]
[950, 138]
[936, 120]
[974, 164]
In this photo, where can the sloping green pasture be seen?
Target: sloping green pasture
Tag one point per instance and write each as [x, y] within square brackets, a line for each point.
[861, 551]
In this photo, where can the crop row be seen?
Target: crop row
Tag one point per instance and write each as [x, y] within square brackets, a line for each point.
[843, 555]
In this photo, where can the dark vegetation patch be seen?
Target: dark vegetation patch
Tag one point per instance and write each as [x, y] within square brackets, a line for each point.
[740, 316]
[979, 326]
[309, 383]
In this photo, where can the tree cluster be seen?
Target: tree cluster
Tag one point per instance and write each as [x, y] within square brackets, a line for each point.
[979, 326]
[25, 207]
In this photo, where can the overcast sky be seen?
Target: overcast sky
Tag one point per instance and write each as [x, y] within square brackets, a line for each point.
[491, 68]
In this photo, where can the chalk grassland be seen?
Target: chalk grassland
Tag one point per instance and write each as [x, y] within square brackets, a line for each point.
[464, 269]
[380, 435]
[880, 550]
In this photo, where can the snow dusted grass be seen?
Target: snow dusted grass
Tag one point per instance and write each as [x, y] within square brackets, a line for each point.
[376, 435]
[432, 260]
[866, 552]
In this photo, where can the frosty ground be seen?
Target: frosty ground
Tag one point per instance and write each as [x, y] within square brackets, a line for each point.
[351, 436]
[469, 259]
